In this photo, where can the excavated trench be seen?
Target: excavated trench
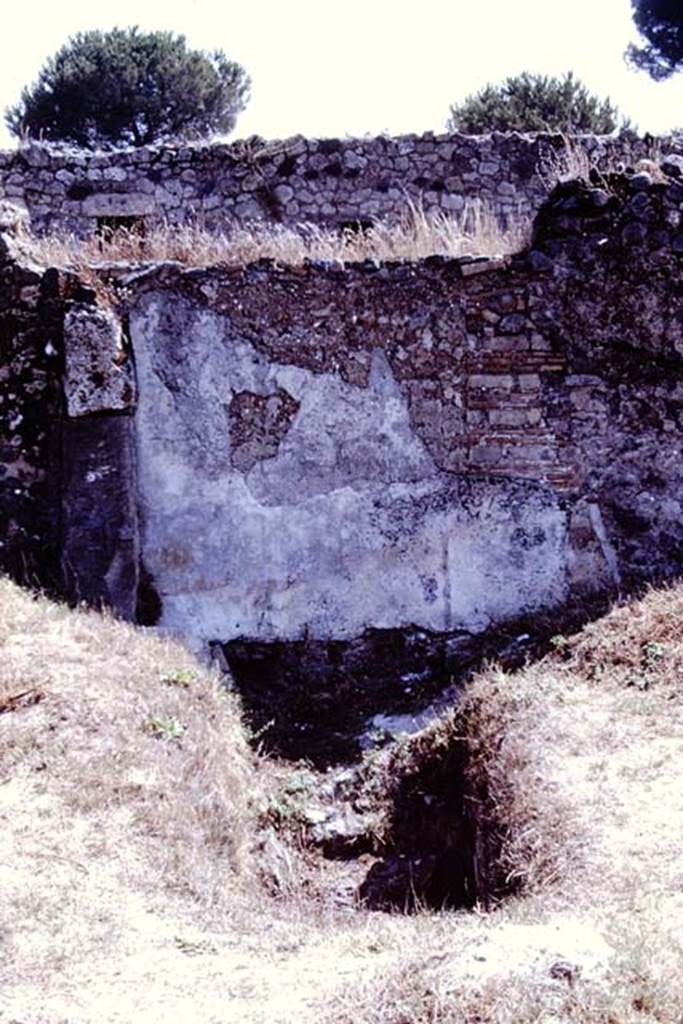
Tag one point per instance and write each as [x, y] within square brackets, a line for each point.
[403, 812]
[327, 701]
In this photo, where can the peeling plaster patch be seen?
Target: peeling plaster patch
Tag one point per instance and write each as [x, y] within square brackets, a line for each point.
[343, 436]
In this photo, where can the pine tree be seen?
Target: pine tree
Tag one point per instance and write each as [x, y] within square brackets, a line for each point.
[535, 103]
[127, 87]
[661, 23]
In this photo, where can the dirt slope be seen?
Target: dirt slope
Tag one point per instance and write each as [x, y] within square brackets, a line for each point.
[129, 849]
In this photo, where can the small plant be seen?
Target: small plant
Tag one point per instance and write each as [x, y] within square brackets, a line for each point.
[561, 645]
[289, 801]
[194, 948]
[182, 677]
[165, 727]
[301, 781]
[652, 653]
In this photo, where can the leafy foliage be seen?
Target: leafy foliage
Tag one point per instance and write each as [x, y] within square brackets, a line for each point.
[661, 24]
[165, 727]
[529, 103]
[127, 87]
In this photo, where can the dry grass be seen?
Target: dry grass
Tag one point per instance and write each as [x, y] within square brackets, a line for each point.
[417, 235]
[126, 808]
[569, 162]
[572, 161]
[638, 989]
[129, 731]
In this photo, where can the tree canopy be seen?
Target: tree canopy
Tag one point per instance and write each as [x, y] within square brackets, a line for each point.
[531, 103]
[660, 22]
[127, 87]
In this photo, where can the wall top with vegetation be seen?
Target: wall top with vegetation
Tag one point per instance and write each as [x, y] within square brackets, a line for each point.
[441, 444]
[332, 182]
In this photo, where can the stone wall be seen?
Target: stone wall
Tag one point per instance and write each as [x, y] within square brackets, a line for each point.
[49, 442]
[310, 453]
[322, 181]
[30, 413]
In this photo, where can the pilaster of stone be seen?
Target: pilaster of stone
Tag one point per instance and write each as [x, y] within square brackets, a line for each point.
[100, 545]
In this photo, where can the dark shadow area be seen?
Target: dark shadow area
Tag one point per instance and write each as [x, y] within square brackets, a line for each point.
[429, 857]
[356, 227]
[313, 699]
[148, 606]
[108, 226]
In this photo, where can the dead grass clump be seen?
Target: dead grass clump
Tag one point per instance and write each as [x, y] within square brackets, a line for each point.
[564, 164]
[417, 235]
[638, 990]
[638, 644]
[614, 686]
[130, 731]
[572, 161]
[526, 833]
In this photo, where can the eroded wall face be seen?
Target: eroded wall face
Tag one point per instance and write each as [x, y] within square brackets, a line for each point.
[30, 414]
[67, 472]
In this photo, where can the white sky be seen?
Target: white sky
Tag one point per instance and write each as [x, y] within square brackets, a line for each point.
[357, 67]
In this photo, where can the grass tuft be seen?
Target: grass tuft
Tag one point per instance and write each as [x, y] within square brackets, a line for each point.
[416, 235]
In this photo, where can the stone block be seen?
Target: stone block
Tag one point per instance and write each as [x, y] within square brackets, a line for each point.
[501, 381]
[453, 203]
[515, 417]
[283, 193]
[482, 266]
[115, 174]
[485, 454]
[98, 375]
[118, 204]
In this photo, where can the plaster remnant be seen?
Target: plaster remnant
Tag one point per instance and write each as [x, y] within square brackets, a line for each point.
[609, 554]
[303, 543]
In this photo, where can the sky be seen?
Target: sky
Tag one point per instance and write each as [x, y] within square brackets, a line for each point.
[363, 67]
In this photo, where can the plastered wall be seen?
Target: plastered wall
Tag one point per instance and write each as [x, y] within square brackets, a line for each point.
[279, 453]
